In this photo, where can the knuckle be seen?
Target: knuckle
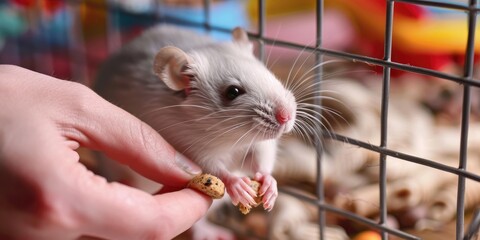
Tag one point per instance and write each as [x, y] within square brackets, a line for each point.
[84, 99]
[54, 212]
[84, 95]
[46, 210]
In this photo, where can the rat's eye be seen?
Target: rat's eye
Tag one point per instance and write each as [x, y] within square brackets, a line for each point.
[233, 92]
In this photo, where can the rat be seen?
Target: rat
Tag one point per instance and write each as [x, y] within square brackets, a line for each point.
[214, 102]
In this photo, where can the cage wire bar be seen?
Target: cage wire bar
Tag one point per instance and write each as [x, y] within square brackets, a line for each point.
[468, 73]
[77, 51]
[320, 191]
[261, 30]
[384, 116]
[206, 15]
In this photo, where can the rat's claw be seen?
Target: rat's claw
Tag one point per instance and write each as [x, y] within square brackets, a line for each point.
[269, 199]
[269, 203]
[268, 190]
[240, 191]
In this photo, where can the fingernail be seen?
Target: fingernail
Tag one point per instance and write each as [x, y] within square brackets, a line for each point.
[186, 164]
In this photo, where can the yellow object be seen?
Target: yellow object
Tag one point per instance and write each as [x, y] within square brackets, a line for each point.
[279, 8]
[433, 36]
[368, 235]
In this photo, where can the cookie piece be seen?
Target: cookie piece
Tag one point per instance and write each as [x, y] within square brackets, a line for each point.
[255, 185]
[208, 184]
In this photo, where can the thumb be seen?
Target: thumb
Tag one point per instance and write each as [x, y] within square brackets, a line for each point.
[115, 211]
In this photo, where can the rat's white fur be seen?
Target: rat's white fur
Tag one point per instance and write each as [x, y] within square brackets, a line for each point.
[193, 125]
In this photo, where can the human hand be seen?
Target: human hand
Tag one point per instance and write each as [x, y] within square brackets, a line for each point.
[45, 193]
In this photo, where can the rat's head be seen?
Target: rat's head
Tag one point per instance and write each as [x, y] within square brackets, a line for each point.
[228, 90]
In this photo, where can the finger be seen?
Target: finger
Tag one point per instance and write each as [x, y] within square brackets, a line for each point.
[103, 126]
[258, 176]
[272, 192]
[249, 190]
[265, 186]
[265, 183]
[239, 195]
[246, 199]
[244, 183]
[115, 211]
[247, 180]
[247, 194]
[269, 202]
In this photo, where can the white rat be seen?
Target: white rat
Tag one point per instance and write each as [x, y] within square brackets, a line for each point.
[213, 101]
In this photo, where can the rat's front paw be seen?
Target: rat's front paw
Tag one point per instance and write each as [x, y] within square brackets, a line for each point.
[255, 185]
[268, 190]
[240, 192]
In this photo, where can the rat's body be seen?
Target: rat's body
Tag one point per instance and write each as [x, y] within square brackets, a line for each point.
[214, 102]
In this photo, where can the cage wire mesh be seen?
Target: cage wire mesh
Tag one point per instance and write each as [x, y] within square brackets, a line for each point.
[35, 52]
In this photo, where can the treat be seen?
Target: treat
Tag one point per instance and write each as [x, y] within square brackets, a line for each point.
[258, 199]
[208, 184]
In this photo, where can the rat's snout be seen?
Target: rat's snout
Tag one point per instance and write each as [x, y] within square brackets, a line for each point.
[285, 113]
[282, 115]
[285, 116]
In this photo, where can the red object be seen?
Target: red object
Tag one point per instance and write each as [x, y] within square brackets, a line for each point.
[49, 6]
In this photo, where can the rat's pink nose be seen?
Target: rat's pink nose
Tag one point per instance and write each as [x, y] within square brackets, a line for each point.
[282, 115]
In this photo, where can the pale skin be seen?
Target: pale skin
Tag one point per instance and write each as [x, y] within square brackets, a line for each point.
[45, 193]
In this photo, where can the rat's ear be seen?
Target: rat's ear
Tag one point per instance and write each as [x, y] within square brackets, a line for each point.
[169, 65]
[240, 37]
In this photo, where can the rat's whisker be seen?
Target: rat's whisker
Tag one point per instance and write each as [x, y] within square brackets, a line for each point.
[314, 120]
[287, 83]
[222, 132]
[272, 46]
[229, 118]
[326, 76]
[173, 106]
[311, 114]
[244, 135]
[298, 130]
[306, 100]
[320, 94]
[307, 130]
[327, 107]
[206, 117]
[333, 113]
[308, 88]
[299, 83]
[328, 112]
[248, 149]
[325, 79]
